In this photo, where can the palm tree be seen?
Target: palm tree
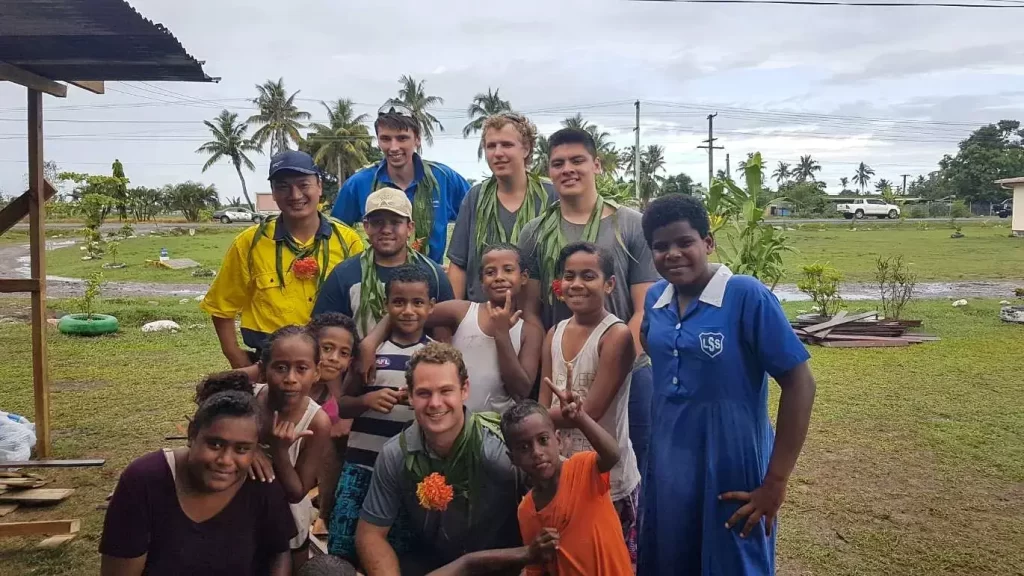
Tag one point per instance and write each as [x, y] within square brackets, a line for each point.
[413, 96]
[541, 155]
[806, 168]
[652, 162]
[844, 182]
[278, 116]
[782, 173]
[882, 185]
[483, 107]
[340, 146]
[863, 175]
[229, 141]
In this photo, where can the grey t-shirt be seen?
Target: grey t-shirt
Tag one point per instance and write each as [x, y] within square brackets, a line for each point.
[634, 267]
[462, 250]
[450, 534]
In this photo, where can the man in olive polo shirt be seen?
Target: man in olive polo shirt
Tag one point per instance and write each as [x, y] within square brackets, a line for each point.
[272, 272]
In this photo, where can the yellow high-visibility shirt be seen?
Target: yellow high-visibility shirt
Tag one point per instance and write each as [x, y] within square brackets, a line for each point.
[248, 282]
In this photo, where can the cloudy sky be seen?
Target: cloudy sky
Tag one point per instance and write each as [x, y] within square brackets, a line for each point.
[894, 87]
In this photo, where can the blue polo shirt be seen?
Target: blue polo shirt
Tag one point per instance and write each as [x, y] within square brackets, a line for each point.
[710, 431]
[451, 189]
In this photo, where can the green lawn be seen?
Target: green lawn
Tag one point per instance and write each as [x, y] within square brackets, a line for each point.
[987, 252]
[914, 463]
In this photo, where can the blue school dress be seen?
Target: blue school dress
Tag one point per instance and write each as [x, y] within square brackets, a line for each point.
[710, 429]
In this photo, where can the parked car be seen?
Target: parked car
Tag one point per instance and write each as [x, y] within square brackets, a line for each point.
[862, 207]
[237, 214]
[1004, 210]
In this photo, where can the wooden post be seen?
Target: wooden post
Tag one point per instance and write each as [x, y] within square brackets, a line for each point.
[37, 251]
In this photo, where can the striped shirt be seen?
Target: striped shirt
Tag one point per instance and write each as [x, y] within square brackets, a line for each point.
[371, 430]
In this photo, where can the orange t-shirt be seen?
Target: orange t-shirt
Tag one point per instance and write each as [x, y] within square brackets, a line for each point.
[590, 534]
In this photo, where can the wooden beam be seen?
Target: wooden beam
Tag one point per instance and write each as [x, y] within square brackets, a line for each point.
[94, 86]
[46, 527]
[37, 265]
[52, 463]
[15, 285]
[37, 495]
[18, 208]
[32, 81]
[838, 322]
[55, 541]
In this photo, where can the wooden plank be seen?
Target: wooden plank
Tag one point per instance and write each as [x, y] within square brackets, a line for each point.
[15, 285]
[862, 337]
[94, 86]
[318, 546]
[37, 265]
[37, 495]
[838, 322]
[22, 483]
[52, 463]
[18, 208]
[859, 344]
[825, 332]
[55, 541]
[33, 82]
[46, 527]
[6, 509]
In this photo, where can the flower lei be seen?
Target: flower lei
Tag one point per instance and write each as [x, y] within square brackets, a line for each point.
[434, 492]
[371, 292]
[422, 204]
[551, 240]
[304, 265]
[488, 227]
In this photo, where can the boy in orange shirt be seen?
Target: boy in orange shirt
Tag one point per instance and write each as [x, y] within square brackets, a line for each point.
[572, 497]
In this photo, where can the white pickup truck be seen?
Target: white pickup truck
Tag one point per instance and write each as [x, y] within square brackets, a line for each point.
[862, 207]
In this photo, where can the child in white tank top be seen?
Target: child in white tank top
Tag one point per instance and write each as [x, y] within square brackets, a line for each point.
[599, 348]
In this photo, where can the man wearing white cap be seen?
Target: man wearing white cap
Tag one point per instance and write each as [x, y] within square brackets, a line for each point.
[356, 286]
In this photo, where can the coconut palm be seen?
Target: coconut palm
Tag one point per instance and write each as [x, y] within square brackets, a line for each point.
[652, 163]
[229, 141]
[806, 168]
[342, 145]
[863, 175]
[483, 107]
[279, 118]
[541, 155]
[782, 173]
[413, 96]
[844, 182]
[882, 185]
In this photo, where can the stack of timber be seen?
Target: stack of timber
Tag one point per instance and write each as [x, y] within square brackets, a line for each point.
[865, 330]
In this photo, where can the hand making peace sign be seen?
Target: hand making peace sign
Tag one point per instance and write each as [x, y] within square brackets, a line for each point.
[569, 402]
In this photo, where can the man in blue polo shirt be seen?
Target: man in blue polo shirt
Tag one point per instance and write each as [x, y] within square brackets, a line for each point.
[435, 190]
[716, 473]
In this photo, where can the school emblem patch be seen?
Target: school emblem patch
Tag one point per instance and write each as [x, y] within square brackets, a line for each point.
[712, 343]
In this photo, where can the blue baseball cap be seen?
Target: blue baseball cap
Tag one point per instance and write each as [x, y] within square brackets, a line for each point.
[293, 161]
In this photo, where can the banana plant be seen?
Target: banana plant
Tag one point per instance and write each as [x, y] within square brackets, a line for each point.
[756, 248]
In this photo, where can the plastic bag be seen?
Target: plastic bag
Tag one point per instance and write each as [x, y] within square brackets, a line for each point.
[17, 437]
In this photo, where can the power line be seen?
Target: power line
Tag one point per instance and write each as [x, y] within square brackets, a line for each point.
[844, 3]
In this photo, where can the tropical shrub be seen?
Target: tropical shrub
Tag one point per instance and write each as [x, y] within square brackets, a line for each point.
[896, 285]
[821, 283]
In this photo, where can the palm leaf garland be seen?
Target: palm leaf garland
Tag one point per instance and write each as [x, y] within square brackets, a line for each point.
[318, 251]
[488, 227]
[371, 291]
[422, 206]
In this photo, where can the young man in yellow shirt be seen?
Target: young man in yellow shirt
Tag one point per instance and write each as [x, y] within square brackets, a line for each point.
[273, 271]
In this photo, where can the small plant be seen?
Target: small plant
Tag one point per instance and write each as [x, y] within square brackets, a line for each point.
[126, 231]
[821, 283]
[1018, 292]
[896, 284]
[92, 290]
[112, 249]
[94, 244]
[958, 231]
[204, 273]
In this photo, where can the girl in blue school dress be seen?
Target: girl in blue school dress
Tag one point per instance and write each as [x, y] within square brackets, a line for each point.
[717, 472]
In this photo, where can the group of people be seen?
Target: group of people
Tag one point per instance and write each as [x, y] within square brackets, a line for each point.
[579, 391]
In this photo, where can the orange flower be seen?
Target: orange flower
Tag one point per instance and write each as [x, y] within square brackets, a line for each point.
[434, 493]
[305, 268]
[417, 245]
[556, 288]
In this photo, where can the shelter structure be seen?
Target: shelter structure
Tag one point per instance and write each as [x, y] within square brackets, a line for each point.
[45, 46]
[1017, 216]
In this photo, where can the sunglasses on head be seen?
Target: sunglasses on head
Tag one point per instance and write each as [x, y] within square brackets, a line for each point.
[394, 110]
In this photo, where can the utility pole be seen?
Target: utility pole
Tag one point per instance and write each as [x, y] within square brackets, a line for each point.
[636, 152]
[728, 166]
[711, 148]
[905, 183]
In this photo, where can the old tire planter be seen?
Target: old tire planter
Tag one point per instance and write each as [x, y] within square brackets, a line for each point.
[82, 325]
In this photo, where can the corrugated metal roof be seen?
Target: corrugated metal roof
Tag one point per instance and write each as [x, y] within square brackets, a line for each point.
[91, 40]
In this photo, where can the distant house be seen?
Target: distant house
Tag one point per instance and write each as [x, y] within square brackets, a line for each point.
[1017, 218]
[265, 203]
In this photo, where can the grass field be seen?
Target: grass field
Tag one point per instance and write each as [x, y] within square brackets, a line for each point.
[987, 252]
[914, 464]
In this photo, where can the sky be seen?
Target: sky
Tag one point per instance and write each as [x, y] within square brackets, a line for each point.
[896, 88]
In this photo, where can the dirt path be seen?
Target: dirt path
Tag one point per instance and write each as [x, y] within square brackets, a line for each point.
[14, 264]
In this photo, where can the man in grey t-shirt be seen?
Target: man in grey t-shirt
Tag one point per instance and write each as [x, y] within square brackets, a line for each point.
[509, 199]
[573, 168]
[480, 520]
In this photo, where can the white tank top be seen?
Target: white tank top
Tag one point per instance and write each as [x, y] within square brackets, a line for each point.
[303, 511]
[487, 392]
[625, 476]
